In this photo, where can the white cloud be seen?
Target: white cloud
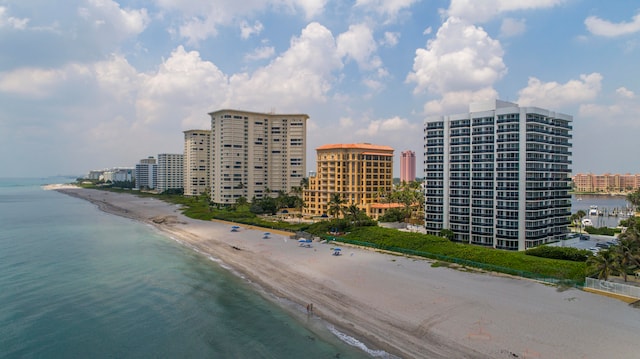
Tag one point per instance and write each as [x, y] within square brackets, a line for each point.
[458, 101]
[182, 83]
[200, 20]
[10, 21]
[554, 95]
[462, 57]
[30, 82]
[388, 8]
[512, 27]
[625, 93]
[427, 31]
[345, 122]
[358, 44]
[247, 30]
[384, 126]
[476, 11]
[301, 75]
[123, 22]
[390, 39]
[600, 27]
[261, 53]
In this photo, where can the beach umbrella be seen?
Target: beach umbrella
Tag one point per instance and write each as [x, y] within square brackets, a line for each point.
[267, 233]
[302, 240]
[235, 227]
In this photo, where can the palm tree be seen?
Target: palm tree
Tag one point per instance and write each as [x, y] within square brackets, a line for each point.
[627, 255]
[581, 214]
[335, 205]
[603, 264]
[354, 214]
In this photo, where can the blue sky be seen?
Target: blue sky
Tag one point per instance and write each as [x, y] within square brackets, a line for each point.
[90, 84]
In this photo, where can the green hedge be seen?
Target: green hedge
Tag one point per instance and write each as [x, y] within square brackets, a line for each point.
[564, 253]
[433, 246]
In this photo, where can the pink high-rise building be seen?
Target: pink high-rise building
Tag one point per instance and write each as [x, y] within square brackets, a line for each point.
[407, 166]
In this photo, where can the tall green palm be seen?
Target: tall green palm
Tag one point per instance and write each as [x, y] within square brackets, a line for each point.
[627, 256]
[603, 264]
[354, 214]
[335, 205]
[580, 214]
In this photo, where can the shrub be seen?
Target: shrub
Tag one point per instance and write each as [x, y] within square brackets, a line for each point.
[564, 253]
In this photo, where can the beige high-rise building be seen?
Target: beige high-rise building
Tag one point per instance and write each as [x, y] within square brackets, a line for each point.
[196, 161]
[359, 173]
[254, 155]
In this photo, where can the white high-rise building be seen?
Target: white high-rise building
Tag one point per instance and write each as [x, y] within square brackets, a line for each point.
[499, 175]
[197, 161]
[170, 172]
[256, 154]
[146, 173]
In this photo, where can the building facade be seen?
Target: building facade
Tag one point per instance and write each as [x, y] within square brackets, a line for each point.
[146, 173]
[170, 172]
[197, 162]
[254, 155]
[606, 182]
[119, 175]
[358, 173]
[407, 166]
[499, 175]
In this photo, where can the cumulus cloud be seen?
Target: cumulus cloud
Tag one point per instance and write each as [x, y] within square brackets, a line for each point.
[247, 30]
[358, 44]
[183, 82]
[261, 53]
[458, 101]
[462, 57]
[390, 39]
[600, 27]
[384, 126]
[201, 20]
[512, 27]
[476, 11]
[10, 21]
[301, 75]
[107, 15]
[388, 8]
[625, 93]
[555, 95]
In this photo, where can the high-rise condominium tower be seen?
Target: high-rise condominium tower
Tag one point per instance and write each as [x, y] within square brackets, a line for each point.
[256, 154]
[499, 175]
[407, 166]
[170, 172]
[146, 173]
[358, 173]
[197, 161]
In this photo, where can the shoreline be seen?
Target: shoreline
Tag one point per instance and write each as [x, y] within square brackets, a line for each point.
[398, 304]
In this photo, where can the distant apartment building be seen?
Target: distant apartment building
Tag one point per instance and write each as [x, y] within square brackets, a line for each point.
[407, 166]
[197, 161]
[95, 175]
[119, 175]
[170, 172]
[606, 182]
[146, 173]
[359, 173]
[254, 155]
[498, 176]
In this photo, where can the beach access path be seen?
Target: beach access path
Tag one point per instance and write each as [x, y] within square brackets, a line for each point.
[403, 305]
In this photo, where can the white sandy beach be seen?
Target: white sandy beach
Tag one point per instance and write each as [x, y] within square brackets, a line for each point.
[403, 305]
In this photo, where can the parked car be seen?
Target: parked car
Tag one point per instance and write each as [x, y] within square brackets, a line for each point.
[585, 237]
[603, 245]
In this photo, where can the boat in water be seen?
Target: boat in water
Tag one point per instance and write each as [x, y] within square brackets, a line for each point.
[593, 210]
[586, 222]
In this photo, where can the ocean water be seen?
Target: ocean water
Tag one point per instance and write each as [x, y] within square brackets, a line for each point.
[79, 283]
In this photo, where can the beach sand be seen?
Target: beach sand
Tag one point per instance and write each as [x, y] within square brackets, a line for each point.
[403, 305]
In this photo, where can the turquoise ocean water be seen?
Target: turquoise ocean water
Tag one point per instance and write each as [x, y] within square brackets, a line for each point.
[79, 283]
